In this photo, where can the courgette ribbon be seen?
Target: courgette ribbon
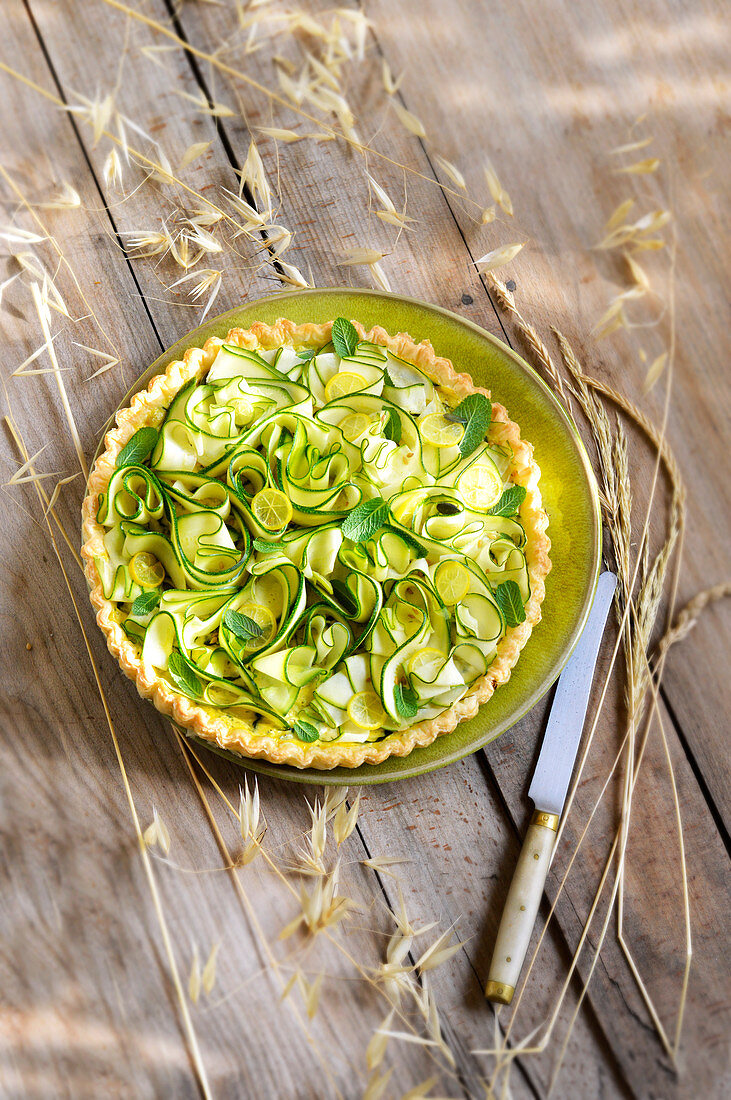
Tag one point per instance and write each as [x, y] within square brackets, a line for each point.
[340, 618]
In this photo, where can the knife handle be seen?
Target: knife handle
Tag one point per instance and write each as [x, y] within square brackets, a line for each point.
[521, 907]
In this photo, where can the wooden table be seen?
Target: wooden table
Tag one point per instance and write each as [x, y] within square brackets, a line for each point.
[545, 90]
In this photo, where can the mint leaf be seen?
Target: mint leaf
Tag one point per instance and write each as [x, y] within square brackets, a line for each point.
[474, 435]
[183, 676]
[392, 428]
[509, 502]
[344, 337]
[242, 626]
[467, 407]
[509, 600]
[304, 731]
[367, 518]
[265, 547]
[475, 412]
[138, 448]
[406, 699]
[307, 353]
[145, 603]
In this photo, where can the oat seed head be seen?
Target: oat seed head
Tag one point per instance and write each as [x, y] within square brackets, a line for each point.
[208, 977]
[345, 820]
[498, 256]
[497, 192]
[377, 1085]
[390, 85]
[194, 981]
[193, 152]
[66, 197]
[376, 1048]
[409, 120]
[641, 167]
[156, 832]
[654, 372]
[452, 172]
[112, 169]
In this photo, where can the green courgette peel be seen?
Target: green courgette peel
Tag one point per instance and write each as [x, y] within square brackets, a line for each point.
[350, 614]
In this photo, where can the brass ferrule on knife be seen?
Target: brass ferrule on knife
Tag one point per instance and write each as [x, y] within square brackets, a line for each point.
[499, 992]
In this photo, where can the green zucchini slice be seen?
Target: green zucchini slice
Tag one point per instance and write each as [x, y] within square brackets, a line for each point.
[337, 624]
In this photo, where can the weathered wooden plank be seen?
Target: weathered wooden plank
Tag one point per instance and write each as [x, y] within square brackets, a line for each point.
[413, 25]
[653, 911]
[548, 110]
[153, 100]
[81, 963]
[66, 822]
[84, 980]
[327, 218]
[402, 1062]
[298, 161]
[333, 211]
[460, 870]
[234, 780]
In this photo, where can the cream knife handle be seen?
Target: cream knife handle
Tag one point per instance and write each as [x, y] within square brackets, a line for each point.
[521, 907]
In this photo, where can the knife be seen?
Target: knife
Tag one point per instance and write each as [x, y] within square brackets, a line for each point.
[548, 791]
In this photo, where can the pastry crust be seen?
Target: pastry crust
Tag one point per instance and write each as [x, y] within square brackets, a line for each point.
[148, 408]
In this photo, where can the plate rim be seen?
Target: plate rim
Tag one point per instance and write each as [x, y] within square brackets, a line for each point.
[363, 775]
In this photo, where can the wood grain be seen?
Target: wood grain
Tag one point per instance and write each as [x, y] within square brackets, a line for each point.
[85, 981]
[548, 111]
[402, 49]
[75, 884]
[475, 977]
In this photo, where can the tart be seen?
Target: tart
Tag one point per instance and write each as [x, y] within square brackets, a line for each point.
[315, 544]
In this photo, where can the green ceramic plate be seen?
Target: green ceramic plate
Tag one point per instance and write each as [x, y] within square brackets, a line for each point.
[568, 488]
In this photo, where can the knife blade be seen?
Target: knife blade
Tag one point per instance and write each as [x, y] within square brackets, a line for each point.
[566, 721]
[548, 791]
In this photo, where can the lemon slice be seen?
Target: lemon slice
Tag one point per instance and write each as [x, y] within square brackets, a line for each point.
[145, 569]
[452, 582]
[340, 385]
[354, 425]
[272, 509]
[425, 664]
[366, 710]
[480, 486]
[439, 431]
[263, 618]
